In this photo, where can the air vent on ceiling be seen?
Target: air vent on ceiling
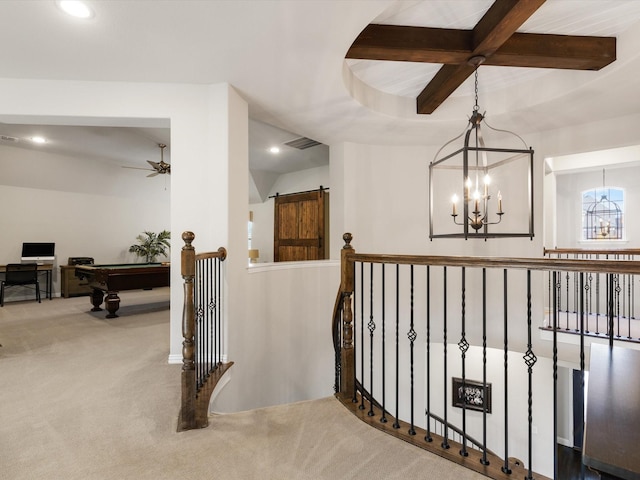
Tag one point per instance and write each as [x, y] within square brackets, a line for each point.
[302, 143]
[7, 138]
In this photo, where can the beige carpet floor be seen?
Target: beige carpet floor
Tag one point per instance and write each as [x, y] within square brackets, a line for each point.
[82, 397]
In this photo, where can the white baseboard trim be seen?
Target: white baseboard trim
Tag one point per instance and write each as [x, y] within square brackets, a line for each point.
[565, 442]
[175, 358]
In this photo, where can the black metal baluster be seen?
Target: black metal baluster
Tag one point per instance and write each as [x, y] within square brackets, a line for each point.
[617, 287]
[530, 360]
[549, 301]
[207, 319]
[371, 326]
[201, 314]
[625, 309]
[445, 438]
[576, 295]
[505, 468]
[610, 311]
[355, 332]
[217, 353]
[464, 346]
[582, 363]
[628, 302]
[396, 424]
[555, 381]
[581, 314]
[219, 310]
[589, 300]
[411, 335]
[632, 281]
[484, 459]
[567, 299]
[383, 418]
[597, 300]
[362, 389]
[211, 332]
[428, 436]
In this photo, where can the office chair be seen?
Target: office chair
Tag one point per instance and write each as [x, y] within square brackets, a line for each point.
[20, 274]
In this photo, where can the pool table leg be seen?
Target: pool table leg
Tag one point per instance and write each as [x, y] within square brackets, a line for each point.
[112, 303]
[96, 299]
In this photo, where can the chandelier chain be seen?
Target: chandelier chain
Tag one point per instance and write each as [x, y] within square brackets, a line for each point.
[476, 107]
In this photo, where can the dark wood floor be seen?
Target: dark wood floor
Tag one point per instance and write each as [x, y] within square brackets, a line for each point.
[570, 465]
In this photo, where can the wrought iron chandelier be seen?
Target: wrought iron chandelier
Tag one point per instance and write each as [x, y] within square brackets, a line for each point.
[487, 172]
[603, 217]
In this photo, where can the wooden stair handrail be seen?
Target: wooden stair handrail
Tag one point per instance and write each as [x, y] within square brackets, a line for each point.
[544, 264]
[592, 251]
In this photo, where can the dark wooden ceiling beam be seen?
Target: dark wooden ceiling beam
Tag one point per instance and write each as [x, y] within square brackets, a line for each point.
[441, 86]
[555, 51]
[412, 44]
[500, 22]
[447, 46]
[494, 39]
[496, 26]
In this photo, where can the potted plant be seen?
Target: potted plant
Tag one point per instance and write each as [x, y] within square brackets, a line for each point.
[151, 245]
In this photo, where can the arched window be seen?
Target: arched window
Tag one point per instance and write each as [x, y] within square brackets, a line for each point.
[603, 213]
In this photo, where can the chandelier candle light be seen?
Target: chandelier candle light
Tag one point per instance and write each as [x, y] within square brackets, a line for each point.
[480, 165]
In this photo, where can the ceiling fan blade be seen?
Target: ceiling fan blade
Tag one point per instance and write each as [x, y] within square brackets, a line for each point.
[136, 168]
[153, 174]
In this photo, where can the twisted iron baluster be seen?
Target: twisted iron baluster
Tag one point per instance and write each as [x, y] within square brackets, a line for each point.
[371, 326]
[505, 468]
[445, 438]
[484, 459]
[428, 436]
[383, 418]
[464, 346]
[530, 360]
[411, 335]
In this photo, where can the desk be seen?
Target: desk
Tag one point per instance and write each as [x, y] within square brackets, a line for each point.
[111, 279]
[612, 426]
[47, 269]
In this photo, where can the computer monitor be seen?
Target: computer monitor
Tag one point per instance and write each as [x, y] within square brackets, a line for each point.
[39, 252]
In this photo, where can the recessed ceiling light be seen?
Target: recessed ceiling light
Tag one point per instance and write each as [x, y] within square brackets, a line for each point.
[38, 140]
[274, 149]
[75, 8]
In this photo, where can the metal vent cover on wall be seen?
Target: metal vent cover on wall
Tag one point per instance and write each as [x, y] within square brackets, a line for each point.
[302, 143]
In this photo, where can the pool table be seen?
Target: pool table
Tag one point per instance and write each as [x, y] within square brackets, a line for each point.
[111, 279]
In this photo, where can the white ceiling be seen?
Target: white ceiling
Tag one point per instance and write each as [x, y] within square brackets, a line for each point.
[286, 58]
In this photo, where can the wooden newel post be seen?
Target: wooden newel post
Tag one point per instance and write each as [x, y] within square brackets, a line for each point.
[188, 263]
[347, 353]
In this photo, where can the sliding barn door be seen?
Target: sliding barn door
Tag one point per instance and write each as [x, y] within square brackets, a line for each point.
[299, 230]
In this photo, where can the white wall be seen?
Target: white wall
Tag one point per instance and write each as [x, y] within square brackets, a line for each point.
[281, 343]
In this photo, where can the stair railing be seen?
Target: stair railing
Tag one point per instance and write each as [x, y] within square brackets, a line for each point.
[411, 333]
[622, 325]
[203, 349]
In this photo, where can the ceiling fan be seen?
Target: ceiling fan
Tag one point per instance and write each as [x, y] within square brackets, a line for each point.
[158, 168]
